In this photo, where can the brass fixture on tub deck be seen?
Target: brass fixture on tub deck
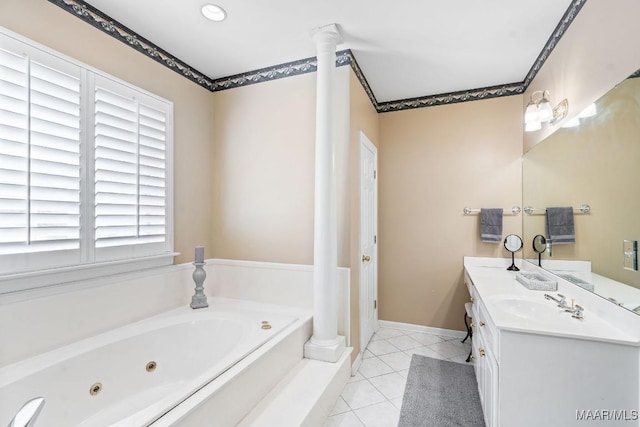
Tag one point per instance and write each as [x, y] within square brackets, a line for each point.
[265, 325]
[95, 389]
[151, 366]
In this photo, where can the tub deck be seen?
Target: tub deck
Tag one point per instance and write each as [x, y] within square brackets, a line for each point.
[197, 353]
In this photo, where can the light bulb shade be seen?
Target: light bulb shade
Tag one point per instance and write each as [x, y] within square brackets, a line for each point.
[531, 114]
[588, 112]
[533, 126]
[545, 111]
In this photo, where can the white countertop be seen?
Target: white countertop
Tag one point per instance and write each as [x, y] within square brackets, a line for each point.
[498, 289]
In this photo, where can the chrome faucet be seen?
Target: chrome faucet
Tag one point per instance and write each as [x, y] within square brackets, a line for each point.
[562, 302]
[26, 416]
[576, 312]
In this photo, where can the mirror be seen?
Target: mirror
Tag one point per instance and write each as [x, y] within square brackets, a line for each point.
[539, 246]
[513, 243]
[595, 164]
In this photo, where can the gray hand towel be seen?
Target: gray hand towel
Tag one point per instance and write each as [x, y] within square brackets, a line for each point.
[491, 225]
[560, 227]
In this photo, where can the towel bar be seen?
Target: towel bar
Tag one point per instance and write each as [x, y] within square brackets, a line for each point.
[583, 208]
[514, 210]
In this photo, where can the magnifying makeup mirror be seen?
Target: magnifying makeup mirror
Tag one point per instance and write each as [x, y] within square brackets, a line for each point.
[513, 243]
[539, 246]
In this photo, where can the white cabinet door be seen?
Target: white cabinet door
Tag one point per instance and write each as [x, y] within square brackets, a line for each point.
[480, 364]
[491, 390]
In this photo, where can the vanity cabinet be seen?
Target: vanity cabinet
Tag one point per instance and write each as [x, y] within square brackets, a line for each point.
[484, 352]
[531, 377]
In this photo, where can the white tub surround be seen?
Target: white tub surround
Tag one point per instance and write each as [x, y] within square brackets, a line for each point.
[537, 365]
[325, 344]
[38, 320]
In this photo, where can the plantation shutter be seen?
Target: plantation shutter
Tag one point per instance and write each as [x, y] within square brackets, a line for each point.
[39, 155]
[153, 183]
[85, 170]
[130, 167]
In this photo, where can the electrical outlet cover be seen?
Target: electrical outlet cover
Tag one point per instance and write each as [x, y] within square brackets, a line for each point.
[630, 254]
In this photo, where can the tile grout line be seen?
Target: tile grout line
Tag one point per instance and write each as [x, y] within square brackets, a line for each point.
[382, 335]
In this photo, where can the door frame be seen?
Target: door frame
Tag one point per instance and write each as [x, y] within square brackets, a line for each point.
[366, 142]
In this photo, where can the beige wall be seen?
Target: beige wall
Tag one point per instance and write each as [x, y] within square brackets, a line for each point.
[596, 163]
[433, 162]
[53, 27]
[263, 170]
[599, 50]
[363, 118]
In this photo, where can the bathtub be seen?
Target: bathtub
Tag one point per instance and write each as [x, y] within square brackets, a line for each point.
[137, 374]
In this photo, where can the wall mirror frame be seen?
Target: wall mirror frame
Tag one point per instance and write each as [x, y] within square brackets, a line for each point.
[595, 163]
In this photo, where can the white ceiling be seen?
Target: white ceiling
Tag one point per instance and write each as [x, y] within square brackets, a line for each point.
[407, 49]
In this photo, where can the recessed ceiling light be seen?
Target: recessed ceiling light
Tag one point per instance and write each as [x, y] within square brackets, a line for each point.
[214, 12]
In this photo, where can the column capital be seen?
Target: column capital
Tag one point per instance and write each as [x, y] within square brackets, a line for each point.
[327, 37]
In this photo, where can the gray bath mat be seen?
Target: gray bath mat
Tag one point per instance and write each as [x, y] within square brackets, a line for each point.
[440, 393]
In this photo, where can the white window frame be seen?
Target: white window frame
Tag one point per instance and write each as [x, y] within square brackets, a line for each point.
[89, 266]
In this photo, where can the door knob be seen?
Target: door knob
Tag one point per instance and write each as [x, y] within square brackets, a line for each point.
[366, 258]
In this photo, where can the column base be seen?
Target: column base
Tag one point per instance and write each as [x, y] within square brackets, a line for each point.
[327, 351]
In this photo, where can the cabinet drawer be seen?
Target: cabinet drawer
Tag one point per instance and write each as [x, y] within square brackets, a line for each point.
[470, 287]
[483, 325]
[473, 292]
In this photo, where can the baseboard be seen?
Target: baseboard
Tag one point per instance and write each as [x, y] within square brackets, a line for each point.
[424, 329]
[356, 364]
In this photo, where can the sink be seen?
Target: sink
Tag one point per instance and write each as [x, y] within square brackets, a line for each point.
[526, 308]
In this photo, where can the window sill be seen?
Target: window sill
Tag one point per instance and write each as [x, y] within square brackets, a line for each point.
[16, 283]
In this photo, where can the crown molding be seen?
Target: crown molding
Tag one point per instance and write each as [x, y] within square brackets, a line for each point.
[106, 24]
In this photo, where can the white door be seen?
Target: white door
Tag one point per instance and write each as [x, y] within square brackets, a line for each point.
[368, 240]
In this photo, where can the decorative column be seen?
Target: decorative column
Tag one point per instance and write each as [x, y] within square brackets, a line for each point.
[325, 344]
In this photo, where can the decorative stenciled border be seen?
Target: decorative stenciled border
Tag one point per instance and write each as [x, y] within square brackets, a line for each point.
[96, 18]
[288, 69]
[493, 91]
[558, 32]
[451, 98]
[363, 80]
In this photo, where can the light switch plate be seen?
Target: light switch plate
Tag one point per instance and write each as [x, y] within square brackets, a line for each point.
[630, 253]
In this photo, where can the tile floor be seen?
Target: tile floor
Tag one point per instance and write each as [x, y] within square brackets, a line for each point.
[373, 397]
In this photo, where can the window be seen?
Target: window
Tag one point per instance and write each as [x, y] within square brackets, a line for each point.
[85, 164]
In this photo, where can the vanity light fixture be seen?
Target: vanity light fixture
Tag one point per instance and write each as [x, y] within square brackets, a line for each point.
[214, 12]
[539, 110]
[590, 111]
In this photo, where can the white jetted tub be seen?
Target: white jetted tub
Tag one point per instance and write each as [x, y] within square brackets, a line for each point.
[136, 374]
